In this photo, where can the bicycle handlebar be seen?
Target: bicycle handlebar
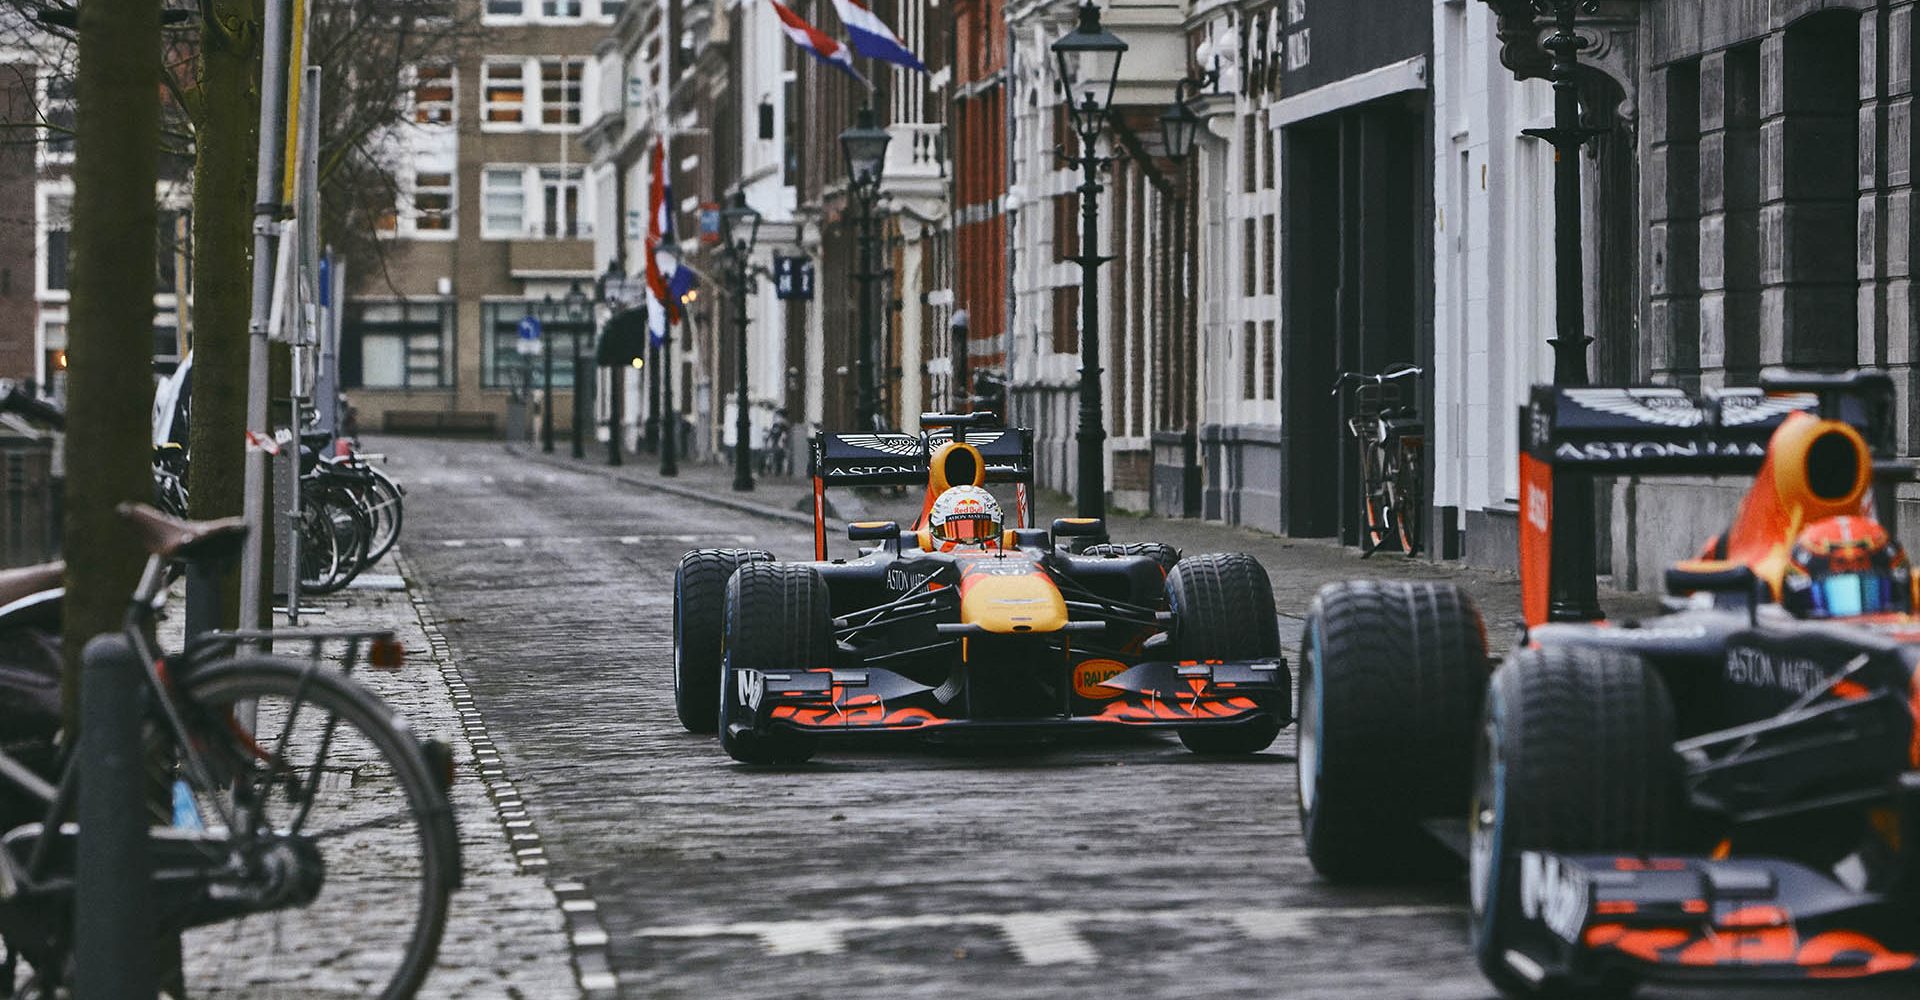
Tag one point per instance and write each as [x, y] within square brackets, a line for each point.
[1377, 378]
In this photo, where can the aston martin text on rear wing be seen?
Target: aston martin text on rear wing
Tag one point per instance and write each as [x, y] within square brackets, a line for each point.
[1641, 430]
[901, 459]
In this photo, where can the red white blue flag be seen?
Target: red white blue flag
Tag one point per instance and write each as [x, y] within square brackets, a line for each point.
[666, 292]
[872, 38]
[815, 42]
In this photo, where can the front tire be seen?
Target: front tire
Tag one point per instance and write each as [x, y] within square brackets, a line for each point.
[777, 619]
[1575, 756]
[1391, 676]
[699, 618]
[1223, 610]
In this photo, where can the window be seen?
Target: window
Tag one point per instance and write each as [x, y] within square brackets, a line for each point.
[503, 190]
[1249, 154]
[1266, 250]
[1249, 260]
[506, 8]
[396, 345]
[506, 93]
[503, 365]
[561, 8]
[1066, 319]
[1249, 360]
[433, 94]
[1266, 360]
[612, 8]
[59, 246]
[57, 111]
[433, 201]
[560, 91]
[560, 201]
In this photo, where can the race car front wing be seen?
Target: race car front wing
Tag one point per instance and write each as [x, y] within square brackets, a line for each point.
[1146, 695]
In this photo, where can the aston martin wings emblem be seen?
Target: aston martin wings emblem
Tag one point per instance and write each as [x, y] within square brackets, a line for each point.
[907, 445]
[1658, 406]
[1739, 409]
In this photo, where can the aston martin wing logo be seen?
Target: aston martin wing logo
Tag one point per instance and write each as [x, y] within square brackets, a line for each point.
[1660, 407]
[1756, 408]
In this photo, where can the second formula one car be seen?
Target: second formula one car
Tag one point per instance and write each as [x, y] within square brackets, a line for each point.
[1726, 791]
[960, 623]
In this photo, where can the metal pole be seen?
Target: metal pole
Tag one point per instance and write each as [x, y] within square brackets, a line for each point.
[114, 934]
[1091, 498]
[742, 432]
[669, 413]
[617, 386]
[867, 404]
[266, 208]
[1574, 593]
[653, 395]
[960, 364]
[579, 401]
[546, 398]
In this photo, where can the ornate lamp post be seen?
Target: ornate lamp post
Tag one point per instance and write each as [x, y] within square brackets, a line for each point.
[739, 230]
[1089, 66]
[612, 284]
[865, 148]
[579, 311]
[1179, 127]
[666, 257]
[546, 377]
[1574, 592]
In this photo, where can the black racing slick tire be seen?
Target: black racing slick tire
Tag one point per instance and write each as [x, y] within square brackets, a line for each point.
[1166, 555]
[699, 619]
[1575, 755]
[1222, 605]
[1391, 677]
[778, 620]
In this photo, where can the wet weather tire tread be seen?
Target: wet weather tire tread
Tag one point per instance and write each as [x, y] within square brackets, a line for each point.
[1223, 610]
[1402, 667]
[699, 619]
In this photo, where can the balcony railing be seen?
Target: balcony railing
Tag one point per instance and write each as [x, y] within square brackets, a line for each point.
[917, 151]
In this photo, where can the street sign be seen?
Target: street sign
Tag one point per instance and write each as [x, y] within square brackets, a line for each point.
[792, 278]
[529, 342]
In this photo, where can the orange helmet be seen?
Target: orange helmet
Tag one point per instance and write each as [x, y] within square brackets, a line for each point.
[1844, 566]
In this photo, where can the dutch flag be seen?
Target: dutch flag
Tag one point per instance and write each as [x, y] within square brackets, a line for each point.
[816, 42]
[872, 38]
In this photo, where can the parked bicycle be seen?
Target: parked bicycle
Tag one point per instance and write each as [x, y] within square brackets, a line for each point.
[776, 456]
[1385, 421]
[312, 847]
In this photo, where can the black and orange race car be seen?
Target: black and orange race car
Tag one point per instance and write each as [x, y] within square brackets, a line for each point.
[916, 637]
[1726, 790]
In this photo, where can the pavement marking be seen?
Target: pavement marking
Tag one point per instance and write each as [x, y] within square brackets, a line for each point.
[1045, 937]
[513, 543]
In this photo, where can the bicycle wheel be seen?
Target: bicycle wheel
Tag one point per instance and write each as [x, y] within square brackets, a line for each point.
[382, 498]
[351, 531]
[1407, 498]
[319, 549]
[333, 806]
[1376, 525]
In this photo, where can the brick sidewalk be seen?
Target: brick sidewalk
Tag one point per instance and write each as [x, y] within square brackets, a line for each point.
[1299, 567]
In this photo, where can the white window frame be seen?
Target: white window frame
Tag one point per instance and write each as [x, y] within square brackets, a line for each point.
[452, 102]
[44, 101]
[44, 198]
[539, 72]
[535, 12]
[533, 203]
[487, 229]
[529, 97]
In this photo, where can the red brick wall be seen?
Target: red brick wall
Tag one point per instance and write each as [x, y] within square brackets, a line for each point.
[17, 308]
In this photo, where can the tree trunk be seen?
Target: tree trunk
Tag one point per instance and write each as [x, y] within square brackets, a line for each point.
[110, 370]
[226, 101]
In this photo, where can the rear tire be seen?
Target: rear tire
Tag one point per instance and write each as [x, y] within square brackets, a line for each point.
[1223, 610]
[777, 619]
[699, 620]
[1391, 677]
[1575, 756]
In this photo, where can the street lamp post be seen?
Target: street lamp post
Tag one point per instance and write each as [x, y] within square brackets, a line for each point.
[612, 286]
[865, 148]
[546, 378]
[666, 258]
[1179, 127]
[578, 309]
[739, 229]
[1089, 66]
[1574, 594]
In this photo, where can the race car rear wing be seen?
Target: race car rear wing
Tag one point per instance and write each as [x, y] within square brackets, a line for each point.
[901, 459]
[1665, 431]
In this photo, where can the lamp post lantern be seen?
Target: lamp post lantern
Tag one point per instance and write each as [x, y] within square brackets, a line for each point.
[739, 230]
[546, 377]
[1089, 66]
[865, 148]
[1179, 128]
[579, 309]
[666, 259]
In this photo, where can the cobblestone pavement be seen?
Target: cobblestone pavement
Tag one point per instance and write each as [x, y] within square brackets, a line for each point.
[1123, 866]
[505, 935]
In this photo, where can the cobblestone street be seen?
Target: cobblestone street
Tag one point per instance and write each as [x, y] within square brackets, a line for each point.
[1064, 871]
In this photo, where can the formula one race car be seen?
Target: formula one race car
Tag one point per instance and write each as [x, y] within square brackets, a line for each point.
[960, 624]
[1729, 790]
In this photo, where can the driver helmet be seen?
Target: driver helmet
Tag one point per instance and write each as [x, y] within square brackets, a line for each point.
[966, 514]
[1845, 566]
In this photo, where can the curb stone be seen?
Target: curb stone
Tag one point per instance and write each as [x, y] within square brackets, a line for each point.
[581, 915]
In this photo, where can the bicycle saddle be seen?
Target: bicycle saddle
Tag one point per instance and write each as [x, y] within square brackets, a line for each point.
[172, 538]
[29, 580]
